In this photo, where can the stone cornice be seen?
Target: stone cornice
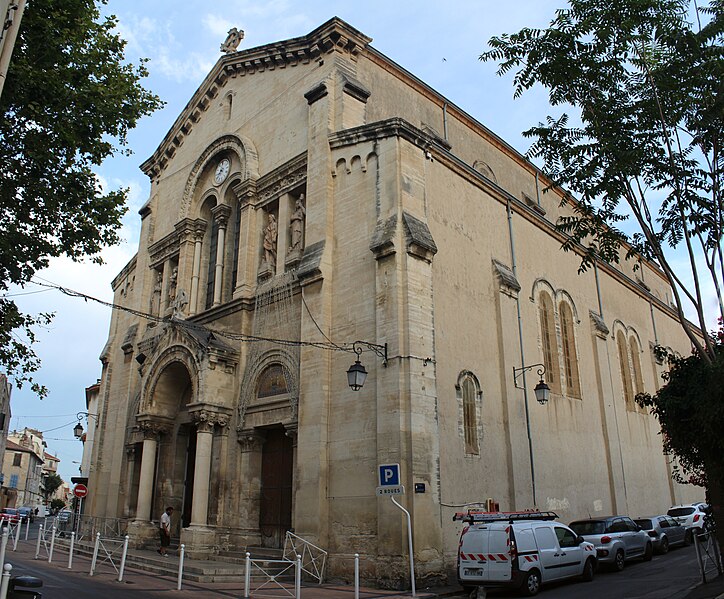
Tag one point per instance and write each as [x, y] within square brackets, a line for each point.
[125, 271]
[282, 179]
[333, 36]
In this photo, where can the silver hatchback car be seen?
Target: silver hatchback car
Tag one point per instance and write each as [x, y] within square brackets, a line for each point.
[618, 539]
[664, 531]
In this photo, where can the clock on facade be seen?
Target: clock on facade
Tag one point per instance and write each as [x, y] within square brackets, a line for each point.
[222, 170]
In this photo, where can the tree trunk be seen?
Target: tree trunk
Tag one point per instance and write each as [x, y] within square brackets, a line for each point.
[715, 497]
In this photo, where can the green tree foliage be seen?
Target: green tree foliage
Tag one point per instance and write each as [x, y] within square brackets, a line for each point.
[690, 408]
[644, 78]
[51, 483]
[56, 505]
[68, 103]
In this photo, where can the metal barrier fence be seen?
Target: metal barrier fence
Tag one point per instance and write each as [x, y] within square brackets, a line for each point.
[313, 558]
[266, 574]
[708, 556]
[87, 527]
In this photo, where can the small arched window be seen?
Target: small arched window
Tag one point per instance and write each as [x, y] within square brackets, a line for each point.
[468, 391]
[638, 377]
[570, 361]
[549, 342]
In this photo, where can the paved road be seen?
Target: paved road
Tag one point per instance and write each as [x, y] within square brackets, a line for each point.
[667, 576]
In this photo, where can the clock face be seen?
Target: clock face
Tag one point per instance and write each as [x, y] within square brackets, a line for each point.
[222, 170]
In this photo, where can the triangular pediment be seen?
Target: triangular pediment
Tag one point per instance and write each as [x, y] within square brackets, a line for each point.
[333, 36]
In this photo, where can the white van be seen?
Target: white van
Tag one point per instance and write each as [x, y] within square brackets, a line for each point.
[520, 549]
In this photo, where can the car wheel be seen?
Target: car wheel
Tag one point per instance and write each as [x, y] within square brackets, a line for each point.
[664, 546]
[588, 570]
[619, 560]
[648, 552]
[531, 583]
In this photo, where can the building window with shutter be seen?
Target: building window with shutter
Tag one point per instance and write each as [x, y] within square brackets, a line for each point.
[468, 392]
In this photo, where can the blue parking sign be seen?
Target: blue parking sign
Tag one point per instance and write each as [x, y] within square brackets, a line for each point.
[389, 475]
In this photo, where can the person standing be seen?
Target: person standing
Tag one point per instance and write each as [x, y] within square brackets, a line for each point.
[165, 531]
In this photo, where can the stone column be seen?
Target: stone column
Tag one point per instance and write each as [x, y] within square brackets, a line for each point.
[291, 430]
[148, 463]
[130, 469]
[196, 272]
[221, 216]
[223, 482]
[202, 468]
[285, 212]
[251, 443]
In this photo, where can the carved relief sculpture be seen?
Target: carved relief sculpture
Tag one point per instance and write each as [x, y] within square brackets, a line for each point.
[172, 286]
[296, 226]
[233, 39]
[156, 295]
[179, 305]
[270, 243]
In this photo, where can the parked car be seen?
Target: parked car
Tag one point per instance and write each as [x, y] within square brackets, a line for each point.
[618, 539]
[26, 513]
[64, 515]
[522, 550]
[690, 516]
[664, 531]
[10, 515]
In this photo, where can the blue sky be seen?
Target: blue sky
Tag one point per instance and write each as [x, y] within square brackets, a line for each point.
[438, 42]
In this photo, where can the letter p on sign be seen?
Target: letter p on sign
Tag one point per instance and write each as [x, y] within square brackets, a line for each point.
[389, 475]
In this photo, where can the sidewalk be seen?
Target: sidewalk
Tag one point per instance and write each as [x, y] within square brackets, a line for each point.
[710, 590]
[61, 583]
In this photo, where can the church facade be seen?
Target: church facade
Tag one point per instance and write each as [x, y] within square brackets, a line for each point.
[315, 205]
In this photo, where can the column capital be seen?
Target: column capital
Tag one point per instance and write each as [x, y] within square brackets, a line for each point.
[250, 440]
[221, 214]
[205, 419]
[152, 429]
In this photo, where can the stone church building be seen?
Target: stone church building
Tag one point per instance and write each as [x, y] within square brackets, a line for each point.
[314, 194]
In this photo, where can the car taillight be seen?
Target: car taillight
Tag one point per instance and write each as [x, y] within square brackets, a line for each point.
[605, 540]
[696, 517]
[513, 550]
[652, 533]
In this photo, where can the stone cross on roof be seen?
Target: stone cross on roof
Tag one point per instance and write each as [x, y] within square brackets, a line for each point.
[233, 39]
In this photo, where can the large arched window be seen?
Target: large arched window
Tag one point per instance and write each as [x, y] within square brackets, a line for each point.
[638, 378]
[623, 360]
[568, 344]
[468, 391]
[549, 342]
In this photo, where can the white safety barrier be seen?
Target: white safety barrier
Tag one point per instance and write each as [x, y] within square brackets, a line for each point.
[180, 567]
[17, 534]
[7, 568]
[70, 553]
[247, 576]
[356, 576]
[298, 578]
[37, 545]
[52, 545]
[27, 528]
[123, 559]
[110, 548]
[708, 556]
[3, 545]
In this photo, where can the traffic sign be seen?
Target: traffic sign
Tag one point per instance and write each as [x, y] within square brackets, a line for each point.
[389, 475]
[391, 490]
[80, 490]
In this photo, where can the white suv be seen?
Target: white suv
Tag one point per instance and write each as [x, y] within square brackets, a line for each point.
[691, 516]
[520, 549]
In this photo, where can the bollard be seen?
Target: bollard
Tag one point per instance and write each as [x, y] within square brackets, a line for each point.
[17, 534]
[37, 545]
[70, 553]
[356, 576]
[298, 578]
[27, 528]
[180, 567]
[7, 568]
[247, 576]
[95, 553]
[52, 544]
[3, 546]
[123, 559]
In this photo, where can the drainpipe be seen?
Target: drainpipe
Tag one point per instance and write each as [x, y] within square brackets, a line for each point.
[522, 355]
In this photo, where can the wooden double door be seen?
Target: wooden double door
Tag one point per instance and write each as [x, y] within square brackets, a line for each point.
[277, 465]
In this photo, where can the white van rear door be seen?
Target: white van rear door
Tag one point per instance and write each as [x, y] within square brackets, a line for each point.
[472, 560]
[500, 567]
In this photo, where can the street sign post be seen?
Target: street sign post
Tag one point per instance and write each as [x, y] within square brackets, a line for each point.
[388, 477]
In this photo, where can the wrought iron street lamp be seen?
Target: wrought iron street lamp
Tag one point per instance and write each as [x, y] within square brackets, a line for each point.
[357, 373]
[542, 390]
